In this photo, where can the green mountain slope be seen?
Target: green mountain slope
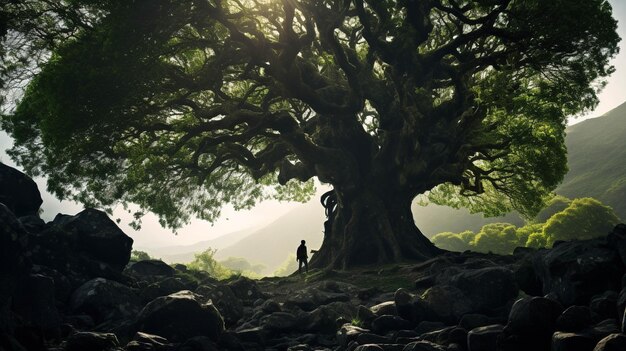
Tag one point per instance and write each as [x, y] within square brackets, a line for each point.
[597, 160]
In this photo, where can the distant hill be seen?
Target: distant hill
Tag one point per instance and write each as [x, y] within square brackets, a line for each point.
[185, 253]
[597, 160]
[597, 168]
[272, 244]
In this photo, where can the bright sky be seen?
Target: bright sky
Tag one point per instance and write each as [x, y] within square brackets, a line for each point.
[152, 235]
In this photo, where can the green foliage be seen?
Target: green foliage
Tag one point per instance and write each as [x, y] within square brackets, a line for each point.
[584, 218]
[231, 267]
[180, 106]
[500, 238]
[240, 264]
[453, 241]
[288, 266]
[205, 261]
[137, 255]
[580, 219]
[553, 206]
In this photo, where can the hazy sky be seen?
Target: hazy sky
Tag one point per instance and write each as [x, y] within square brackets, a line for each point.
[152, 235]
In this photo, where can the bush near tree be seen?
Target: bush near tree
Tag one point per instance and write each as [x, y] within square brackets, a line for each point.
[583, 218]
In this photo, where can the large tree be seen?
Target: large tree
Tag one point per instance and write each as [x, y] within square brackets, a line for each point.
[180, 106]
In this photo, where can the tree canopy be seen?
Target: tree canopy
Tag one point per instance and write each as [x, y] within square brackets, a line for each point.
[181, 106]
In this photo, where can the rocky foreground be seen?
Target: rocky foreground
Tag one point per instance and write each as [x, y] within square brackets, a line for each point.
[68, 285]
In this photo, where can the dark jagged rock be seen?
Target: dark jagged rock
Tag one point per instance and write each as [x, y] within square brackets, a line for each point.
[18, 192]
[32, 223]
[149, 268]
[148, 342]
[488, 288]
[404, 304]
[484, 338]
[562, 341]
[531, 323]
[279, 321]
[13, 263]
[473, 320]
[199, 343]
[613, 342]
[604, 305]
[385, 308]
[386, 323]
[602, 329]
[97, 235]
[575, 271]
[423, 346]
[162, 287]
[348, 333]
[310, 298]
[617, 239]
[447, 303]
[534, 315]
[230, 307]
[180, 316]
[246, 289]
[324, 319]
[91, 341]
[36, 305]
[105, 300]
[574, 319]
[62, 285]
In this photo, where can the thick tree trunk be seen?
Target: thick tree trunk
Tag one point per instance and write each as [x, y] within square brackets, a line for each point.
[371, 227]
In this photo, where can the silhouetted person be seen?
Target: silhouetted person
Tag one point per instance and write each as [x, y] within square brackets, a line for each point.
[302, 257]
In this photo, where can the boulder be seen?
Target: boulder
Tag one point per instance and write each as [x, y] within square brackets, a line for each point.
[326, 319]
[246, 289]
[96, 234]
[423, 346]
[575, 271]
[404, 304]
[473, 320]
[13, 262]
[604, 305]
[613, 342]
[383, 308]
[530, 325]
[148, 342]
[562, 341]
[574, 319]
[617, 239]
[199, 343]
[310, 298]
[484, 338]
[534, 316]
[18, 192]
[488, 288]
[279, 321]
[149, 268]
[162, 287]
[105, 300]
[230, 307]
[32, 223]
[602, 329]
[36, 305]
[91, 341]
[180, 316]
[365, 316]
[369, 347]
[447, 303]
[385, 323]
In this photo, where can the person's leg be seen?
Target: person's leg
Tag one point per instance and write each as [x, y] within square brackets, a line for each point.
[306, 265]
[300, 266]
